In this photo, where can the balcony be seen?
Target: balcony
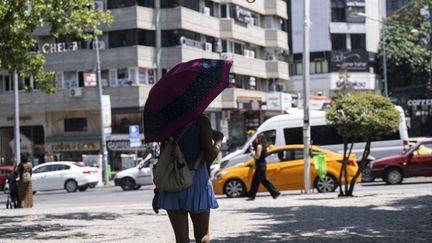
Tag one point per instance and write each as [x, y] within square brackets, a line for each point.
[85, 59]
[251, 34]
[247, 66]
[275, 7]
[188, 19]
[276, 38]
[277, 70]
[171, 56]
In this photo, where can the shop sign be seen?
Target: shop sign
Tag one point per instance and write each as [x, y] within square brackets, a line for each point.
[49, 48]
[121, 145]
[353, 60]
[106, 114]
[278, 101]
[243, 15]
[89, 79]
[190, 43]
[70, 146]
[22, 118]
[420, 102]
[134, 136]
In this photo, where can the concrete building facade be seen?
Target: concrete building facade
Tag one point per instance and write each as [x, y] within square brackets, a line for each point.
[65, 125]
[340, 37]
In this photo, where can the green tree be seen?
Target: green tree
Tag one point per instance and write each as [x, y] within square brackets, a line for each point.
[361, 116]
[20, 18]
[407, 54]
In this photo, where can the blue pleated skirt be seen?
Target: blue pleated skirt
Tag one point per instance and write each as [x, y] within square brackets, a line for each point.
[197, 198]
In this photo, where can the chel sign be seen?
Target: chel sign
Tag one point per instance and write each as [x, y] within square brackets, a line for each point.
[49, 48]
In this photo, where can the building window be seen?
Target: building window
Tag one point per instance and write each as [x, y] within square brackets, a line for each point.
[70, 79]
[131, 37]
[75, 124]
[338, 41]
[338, 13]
[223, 10]
[299, 68]
[128, 3]
[191, 4]
[358, 42]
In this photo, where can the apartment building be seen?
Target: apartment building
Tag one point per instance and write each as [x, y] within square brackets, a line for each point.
[65, 125]
[341, 38]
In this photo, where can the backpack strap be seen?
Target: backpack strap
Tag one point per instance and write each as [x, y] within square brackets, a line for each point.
[183, 131]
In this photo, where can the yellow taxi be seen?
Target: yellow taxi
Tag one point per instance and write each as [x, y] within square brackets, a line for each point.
[285, 170]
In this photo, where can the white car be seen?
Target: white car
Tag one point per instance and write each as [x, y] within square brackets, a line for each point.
[133, 178]
[70, 176]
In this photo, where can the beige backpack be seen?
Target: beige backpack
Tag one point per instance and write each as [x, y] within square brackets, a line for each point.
[171, 172]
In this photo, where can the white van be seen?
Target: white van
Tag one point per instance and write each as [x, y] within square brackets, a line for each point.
[288, 129]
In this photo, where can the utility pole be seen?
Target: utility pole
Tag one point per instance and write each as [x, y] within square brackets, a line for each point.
[17, 134]
[306, 76]
[103, 149]
[158, 41]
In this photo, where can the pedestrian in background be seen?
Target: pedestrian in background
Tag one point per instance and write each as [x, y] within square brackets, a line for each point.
[259, 154]
[25, 192]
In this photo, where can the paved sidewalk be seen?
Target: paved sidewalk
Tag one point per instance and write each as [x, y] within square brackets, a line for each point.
[384, 217]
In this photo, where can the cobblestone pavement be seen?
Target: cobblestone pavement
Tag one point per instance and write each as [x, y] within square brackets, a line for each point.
[368, 217]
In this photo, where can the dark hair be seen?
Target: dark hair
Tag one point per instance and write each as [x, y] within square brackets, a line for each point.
[24, 158]
[262, 140]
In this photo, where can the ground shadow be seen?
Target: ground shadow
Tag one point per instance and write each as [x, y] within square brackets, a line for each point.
[41, 227]
[83, 216]
[407, 220]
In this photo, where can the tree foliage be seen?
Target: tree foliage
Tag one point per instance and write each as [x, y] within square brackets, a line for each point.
[361, 116]
[20, 18]
[408, 56]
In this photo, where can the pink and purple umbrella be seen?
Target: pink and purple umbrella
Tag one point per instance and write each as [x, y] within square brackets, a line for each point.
[182, 95]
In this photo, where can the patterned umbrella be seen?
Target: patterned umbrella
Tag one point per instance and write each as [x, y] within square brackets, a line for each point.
[183, 94]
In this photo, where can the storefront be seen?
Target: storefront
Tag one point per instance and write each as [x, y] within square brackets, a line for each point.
[119, 144]
[417, 104]
[62, 148]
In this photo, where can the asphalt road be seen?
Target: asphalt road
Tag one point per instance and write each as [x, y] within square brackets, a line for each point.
[116, 196]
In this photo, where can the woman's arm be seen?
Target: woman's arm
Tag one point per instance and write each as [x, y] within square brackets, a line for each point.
[210, 150]
[258, 152]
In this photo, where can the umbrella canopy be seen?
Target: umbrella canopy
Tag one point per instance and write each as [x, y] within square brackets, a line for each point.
[183, 94]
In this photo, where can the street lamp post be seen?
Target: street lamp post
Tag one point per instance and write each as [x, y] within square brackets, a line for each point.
[306, 124]
[16, 121]
[103, 148]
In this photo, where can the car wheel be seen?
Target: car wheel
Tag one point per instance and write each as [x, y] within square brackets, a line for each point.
[71, 186]
[326, 184]
[137, 187]
[82, 188]
[234, 188]
[393, 176]
[127, 184]
[367, 175]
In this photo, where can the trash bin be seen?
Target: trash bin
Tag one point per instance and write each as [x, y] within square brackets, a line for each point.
[320, 164]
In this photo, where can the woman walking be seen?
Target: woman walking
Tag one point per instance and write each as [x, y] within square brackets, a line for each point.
[198, 199]
[174, 109]
[25, 192]
[259, 153]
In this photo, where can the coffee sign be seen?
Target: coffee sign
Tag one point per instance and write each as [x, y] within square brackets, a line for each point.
[49, 48]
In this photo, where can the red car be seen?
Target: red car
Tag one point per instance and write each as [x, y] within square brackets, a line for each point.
[4, 172]
[416, 161]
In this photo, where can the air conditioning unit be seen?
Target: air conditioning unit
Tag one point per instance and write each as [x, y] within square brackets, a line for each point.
[75, 92]
[246, 52]
[99, 5]
[206, 11]
[251, 54]
[226, 114]
[208, 46]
